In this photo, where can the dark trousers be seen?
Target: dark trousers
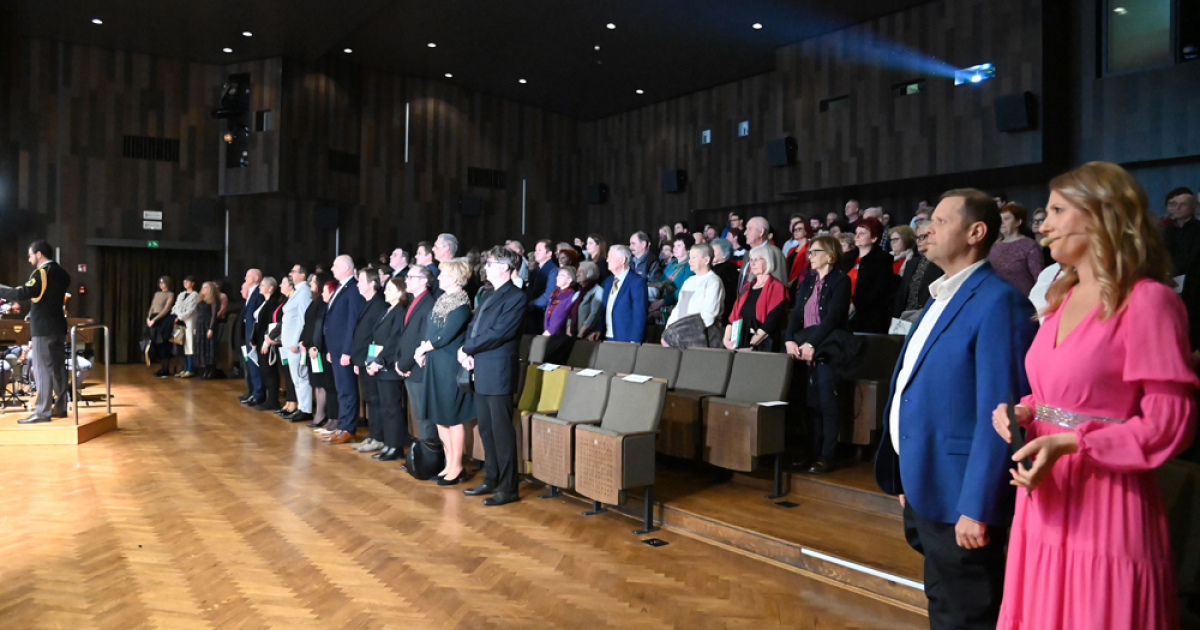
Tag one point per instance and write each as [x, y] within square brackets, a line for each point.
[254, 377]
[499, 441]
[392, 417]
[964, 586]
[822, 412]
[370, 401]
[346, 382]
[269, 375]
[49, 374]
[289, 387]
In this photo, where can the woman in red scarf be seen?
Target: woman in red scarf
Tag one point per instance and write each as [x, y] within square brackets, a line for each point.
[798, 258]
[758, 316]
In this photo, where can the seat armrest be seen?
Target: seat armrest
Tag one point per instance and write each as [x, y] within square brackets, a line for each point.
[564, 423]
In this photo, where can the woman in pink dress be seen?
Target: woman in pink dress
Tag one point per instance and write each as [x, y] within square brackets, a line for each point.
[1112, 399]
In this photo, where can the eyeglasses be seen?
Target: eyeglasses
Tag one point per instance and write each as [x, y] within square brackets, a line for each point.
[495, 262]
[894, 239]
[815, 251]
[415, 277]
[922, 237]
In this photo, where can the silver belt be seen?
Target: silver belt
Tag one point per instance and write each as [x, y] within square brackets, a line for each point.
[1069, 419]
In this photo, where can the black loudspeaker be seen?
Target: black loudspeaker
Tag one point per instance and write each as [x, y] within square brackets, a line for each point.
[470, 206]
[674, 181]
[326, 217]
[1016, 112]
[597, 193]
[781, 152]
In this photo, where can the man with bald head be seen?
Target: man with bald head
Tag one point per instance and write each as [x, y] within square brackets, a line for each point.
[341, 316]
[757, 230]
[254, 300]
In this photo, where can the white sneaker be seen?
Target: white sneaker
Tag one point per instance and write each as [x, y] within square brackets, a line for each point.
[372, 446]
[362, 447]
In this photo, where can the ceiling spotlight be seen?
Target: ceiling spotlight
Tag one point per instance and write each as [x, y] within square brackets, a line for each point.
[597, 48]
[227, 50]
[640, 91]
[97, 21]
[611, 26]
[347, 50]
[247, 34]
[757, 26]
[522, 81]
[431, 45]
[1120, 10]
[449, 76]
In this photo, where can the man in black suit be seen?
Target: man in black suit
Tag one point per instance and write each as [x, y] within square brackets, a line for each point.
[46, 288]
[255, 392]
[373, 311]
[491, 350]
[341, 316]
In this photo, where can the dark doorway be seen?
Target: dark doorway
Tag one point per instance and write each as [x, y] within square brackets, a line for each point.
[128, 280]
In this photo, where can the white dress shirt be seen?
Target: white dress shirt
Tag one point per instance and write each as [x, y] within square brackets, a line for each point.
[942, 290]
[618, 280]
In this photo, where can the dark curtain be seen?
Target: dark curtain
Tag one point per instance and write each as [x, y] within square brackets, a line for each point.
[128, 281]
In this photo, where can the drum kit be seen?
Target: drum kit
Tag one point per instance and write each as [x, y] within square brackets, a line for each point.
[16, 379]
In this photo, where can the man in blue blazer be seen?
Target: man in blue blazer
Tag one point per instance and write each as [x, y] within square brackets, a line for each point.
[939, 452]
[491, 350]
[625, 299]
[255, 393]
[341, 316]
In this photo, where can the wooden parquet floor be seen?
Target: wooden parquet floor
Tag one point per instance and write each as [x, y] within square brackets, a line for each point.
[201, 514]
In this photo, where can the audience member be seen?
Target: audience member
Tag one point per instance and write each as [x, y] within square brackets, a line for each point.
[206, 326]
[666, 253]
[185, 317]
[701, 293]
[919, 273]
[680, 227]
[710, 233]
[522, 280]
[287, 289]
[831, 219]
[341, 315]
[161, 324]
[541, 285]
[583, 315]
[756, 234]
[678, 270]
[758, 317]
[644, 262]
[446, 404]
[796, 262]
[903, 243]
[373, 309]
[734, 222]
[1039, 216]
[491, 352]
[727, 271]
[872, 281]
[625, 299]
[424, 257]
[312, 348]
[399, 263]
[1181, 234]
[792, 241]
[822, 306]
[664, 236]
[1016, 257]
[853, 215]
[558, 308]
[418, 282]
[938, 453]
[294, 313]
[387, 422]
[266, 349]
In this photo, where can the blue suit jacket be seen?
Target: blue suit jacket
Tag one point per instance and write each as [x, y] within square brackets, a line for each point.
[953, 462]
[252, 303]
[629, 308]
[340, 319]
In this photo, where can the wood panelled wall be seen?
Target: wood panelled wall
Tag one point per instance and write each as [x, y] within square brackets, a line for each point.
[266, 94]
[876, 138]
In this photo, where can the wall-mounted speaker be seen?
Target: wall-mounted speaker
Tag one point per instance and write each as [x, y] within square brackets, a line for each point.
[781, 152]
[325, 217]
[470, 206]
[1016, 112]
[597, 193]
[674, 181]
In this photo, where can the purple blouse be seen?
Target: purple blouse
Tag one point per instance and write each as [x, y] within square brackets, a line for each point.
[1019, 262]
[557, 310]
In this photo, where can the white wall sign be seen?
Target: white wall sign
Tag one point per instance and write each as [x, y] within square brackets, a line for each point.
[152, 225]
[152, 215]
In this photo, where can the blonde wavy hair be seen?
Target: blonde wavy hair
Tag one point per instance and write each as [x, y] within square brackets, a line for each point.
[1124, 244]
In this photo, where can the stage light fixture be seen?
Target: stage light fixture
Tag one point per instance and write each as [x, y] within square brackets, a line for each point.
[228, 137]
[640, 91]
[247, 34]
[974, 74]
[611, 26]
[431, 45]
[757, 26]
[227, 50]
[347, 51]
[97, 21]
[522, 81]
[597, 48]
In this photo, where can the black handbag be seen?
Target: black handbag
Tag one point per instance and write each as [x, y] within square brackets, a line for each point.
[426, 458]
[690, 332]
[466, 380]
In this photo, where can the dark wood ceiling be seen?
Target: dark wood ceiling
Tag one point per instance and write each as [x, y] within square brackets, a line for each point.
[666, 48]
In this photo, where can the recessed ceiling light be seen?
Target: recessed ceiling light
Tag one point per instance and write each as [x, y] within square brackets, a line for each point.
[641, 91]
[449, 76]
[347, 50]
[757, 26]
[522, 81]
[247, 34]
[597, 48]
[611, 26]
[431, 45]
[97, 21]
[228, 50]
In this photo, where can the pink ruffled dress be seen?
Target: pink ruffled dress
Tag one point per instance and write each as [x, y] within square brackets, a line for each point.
[1089, 549]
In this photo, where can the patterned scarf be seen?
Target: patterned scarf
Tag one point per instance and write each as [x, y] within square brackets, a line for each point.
[914, 288]
[445, 304]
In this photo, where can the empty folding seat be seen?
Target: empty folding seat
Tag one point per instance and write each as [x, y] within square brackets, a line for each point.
[739, 429]
[553, 435]
[659, 362]
[537, 349]
[703, 372]
[583, 353]
[619, 453]
[616, 357]
[554, 387]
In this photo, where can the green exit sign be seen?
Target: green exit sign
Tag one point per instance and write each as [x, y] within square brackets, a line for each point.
[152, 244]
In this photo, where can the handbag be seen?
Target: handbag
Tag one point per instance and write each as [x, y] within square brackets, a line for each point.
[690, 331]
[466, 380]
[178, 337]
[426, 458]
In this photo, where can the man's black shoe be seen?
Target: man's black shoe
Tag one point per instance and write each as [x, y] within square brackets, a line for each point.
[390, 455]
[480, 490]
[251, 401]
[315, 424]
[502, 498]
[32, 420]
[298, 416]
[265, 406]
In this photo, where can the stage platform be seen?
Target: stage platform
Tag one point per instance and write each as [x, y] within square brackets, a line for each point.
[836, 527]
[93, 423]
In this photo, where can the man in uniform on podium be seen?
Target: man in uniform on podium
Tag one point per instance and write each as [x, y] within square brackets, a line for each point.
[46, 289]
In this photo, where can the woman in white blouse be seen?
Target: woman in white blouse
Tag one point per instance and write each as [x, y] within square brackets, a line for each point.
[702, 293]
[185, 313]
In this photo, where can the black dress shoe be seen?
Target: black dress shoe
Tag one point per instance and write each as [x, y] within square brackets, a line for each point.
[265, 406]
[32, 420]
[462, 474]
[820, 468]
[502, 498]
[480, 490]
[315, 424]
[244, 397]
[380, 453]
[298, 416]
[390, 455]
[251, 401]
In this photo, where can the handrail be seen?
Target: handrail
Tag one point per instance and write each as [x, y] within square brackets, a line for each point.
[107, 366]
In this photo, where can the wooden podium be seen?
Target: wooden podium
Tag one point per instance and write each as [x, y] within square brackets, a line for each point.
[92, 424]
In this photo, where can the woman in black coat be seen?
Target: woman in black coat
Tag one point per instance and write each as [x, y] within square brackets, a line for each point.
[419, 282]
[313, 339]
[267, 348]
[392, 427]
[822, 306]
[875, 285]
